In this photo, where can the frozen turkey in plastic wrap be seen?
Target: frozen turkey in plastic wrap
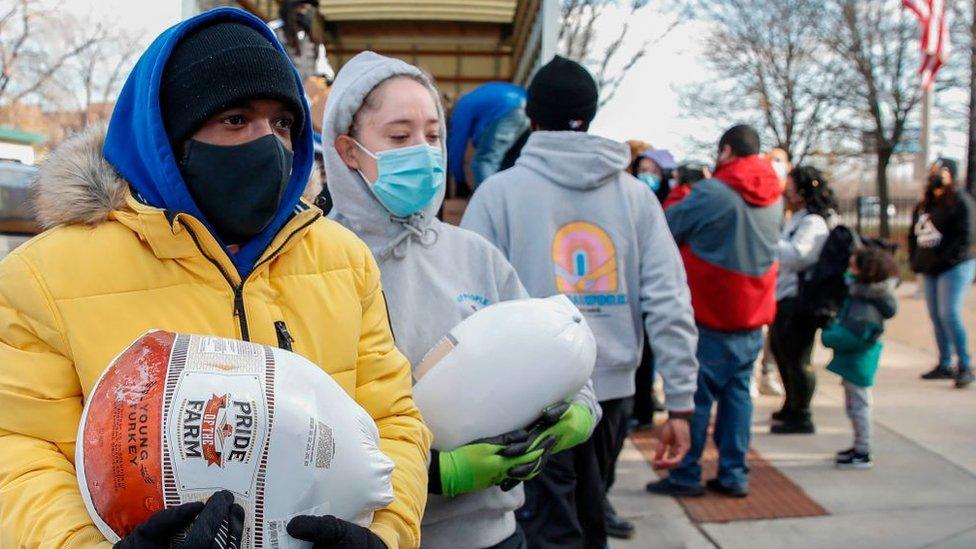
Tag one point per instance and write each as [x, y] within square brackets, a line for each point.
[501, 367]
[175, 418]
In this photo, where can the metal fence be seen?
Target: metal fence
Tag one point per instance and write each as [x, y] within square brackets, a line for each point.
[864, 214]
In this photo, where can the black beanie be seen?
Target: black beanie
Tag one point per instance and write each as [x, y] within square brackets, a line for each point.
[217, 67]
[562, 96]
[950, 165]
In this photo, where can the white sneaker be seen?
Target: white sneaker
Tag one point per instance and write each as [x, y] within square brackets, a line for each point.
[770, 385]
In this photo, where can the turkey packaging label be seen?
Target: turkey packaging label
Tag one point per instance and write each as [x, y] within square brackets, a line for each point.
[177, 417]
[501, 367]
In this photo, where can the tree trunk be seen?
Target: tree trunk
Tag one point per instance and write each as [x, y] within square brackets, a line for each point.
[971, 153]
[884, 157]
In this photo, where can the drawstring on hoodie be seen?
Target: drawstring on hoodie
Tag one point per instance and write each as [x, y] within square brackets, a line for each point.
[414, 228]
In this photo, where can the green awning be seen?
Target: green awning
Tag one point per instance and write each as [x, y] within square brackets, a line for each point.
[13, 135]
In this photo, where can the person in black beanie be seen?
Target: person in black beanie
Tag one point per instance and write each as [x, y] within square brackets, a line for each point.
[232, 111]
[184, 215]
[562, 97]
[607, 247]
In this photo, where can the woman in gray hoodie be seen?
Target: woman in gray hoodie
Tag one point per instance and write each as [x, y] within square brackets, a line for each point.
[383, 140]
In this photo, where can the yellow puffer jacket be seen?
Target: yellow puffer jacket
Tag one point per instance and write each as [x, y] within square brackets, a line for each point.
[111, 269]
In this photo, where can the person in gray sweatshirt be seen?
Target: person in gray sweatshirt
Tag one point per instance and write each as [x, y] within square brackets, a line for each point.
[383, 143]
[572, 220]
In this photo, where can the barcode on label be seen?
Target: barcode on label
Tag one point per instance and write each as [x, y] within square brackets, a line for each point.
[324, 446]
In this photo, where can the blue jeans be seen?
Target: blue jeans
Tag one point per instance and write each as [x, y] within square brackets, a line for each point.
[725, 361]
[496, 139]
[945, 294]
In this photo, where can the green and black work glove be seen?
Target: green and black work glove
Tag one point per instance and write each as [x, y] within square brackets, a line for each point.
[503, 460]
[569, 424]
[329, 532]
[218, 524]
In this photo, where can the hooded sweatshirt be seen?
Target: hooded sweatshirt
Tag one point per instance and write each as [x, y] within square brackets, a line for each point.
[435, 275]
[943, 234]
[572, 221]
[727, 229]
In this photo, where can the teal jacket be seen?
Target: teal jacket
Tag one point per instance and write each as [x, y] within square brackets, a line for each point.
[855, 335]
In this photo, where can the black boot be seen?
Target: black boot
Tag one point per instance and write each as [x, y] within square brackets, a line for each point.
[617, 526]
[781, 415]
[797, 425]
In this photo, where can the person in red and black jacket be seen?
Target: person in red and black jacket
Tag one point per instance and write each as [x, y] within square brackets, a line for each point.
[940, 245]
[727, 230]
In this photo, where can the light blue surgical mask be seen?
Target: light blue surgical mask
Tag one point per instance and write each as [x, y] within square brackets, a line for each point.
[652, 180]
[408, 178]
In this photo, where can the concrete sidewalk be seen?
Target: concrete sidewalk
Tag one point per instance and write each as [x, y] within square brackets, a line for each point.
[920, 493]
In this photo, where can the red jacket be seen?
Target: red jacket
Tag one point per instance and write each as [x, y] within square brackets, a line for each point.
[676, 195]
[727, 229]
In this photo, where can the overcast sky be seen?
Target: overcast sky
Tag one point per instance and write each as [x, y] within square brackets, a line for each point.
[646, 107]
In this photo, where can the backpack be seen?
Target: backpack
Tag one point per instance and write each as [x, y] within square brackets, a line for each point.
[822, 287]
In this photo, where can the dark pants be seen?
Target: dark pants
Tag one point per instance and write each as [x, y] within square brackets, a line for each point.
[613, 435]
[791, 340]
[556, 514]
[644, 381]
[564, 505]
[516, 541]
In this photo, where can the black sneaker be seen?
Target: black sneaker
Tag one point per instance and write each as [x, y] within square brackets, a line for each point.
[665, 487]
[793, 427]
[854, 460]
[964, 378]
[845, 453]
[939, 372]
[617, 526]
[731, 491]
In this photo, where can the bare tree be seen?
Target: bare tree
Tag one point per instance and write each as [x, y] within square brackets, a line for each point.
[578, 34]
[772, 68]
[878, 43]
[93, 77]
[35, 46]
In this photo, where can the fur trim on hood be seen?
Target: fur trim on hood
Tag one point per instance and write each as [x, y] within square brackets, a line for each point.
[76, 185]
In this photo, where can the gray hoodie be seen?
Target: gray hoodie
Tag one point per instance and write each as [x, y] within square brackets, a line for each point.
[435, 275]
[571, 220]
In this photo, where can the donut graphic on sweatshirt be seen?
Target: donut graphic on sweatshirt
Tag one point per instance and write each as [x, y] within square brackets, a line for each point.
[584, 259]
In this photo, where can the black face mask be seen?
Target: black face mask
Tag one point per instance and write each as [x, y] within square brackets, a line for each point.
[935, 181]
[238, 188]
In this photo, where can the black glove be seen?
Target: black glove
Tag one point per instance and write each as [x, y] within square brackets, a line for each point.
[328, 532]
[550, 416]
[218, 524]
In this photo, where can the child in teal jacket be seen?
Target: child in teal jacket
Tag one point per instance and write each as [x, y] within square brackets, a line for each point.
[855, 337]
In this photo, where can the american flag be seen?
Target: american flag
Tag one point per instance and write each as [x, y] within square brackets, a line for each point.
[935, 37]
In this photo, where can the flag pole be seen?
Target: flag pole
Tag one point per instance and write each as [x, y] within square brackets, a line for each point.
[922, 158]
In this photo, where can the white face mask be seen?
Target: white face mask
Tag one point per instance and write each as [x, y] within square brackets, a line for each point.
[780, 168]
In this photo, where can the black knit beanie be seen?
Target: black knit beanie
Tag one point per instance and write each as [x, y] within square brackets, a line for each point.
[950, 165]
[217, 67]
[562, 96]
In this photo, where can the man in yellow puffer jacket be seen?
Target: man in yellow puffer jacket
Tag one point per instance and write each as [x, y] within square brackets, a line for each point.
[185, 216]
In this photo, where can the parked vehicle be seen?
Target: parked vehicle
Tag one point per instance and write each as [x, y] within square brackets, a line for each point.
[870, 206]
[17, 223]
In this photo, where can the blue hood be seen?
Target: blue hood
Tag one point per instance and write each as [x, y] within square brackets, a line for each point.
[138, 148]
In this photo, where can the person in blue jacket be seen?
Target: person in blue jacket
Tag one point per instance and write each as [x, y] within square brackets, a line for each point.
[491, 117]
